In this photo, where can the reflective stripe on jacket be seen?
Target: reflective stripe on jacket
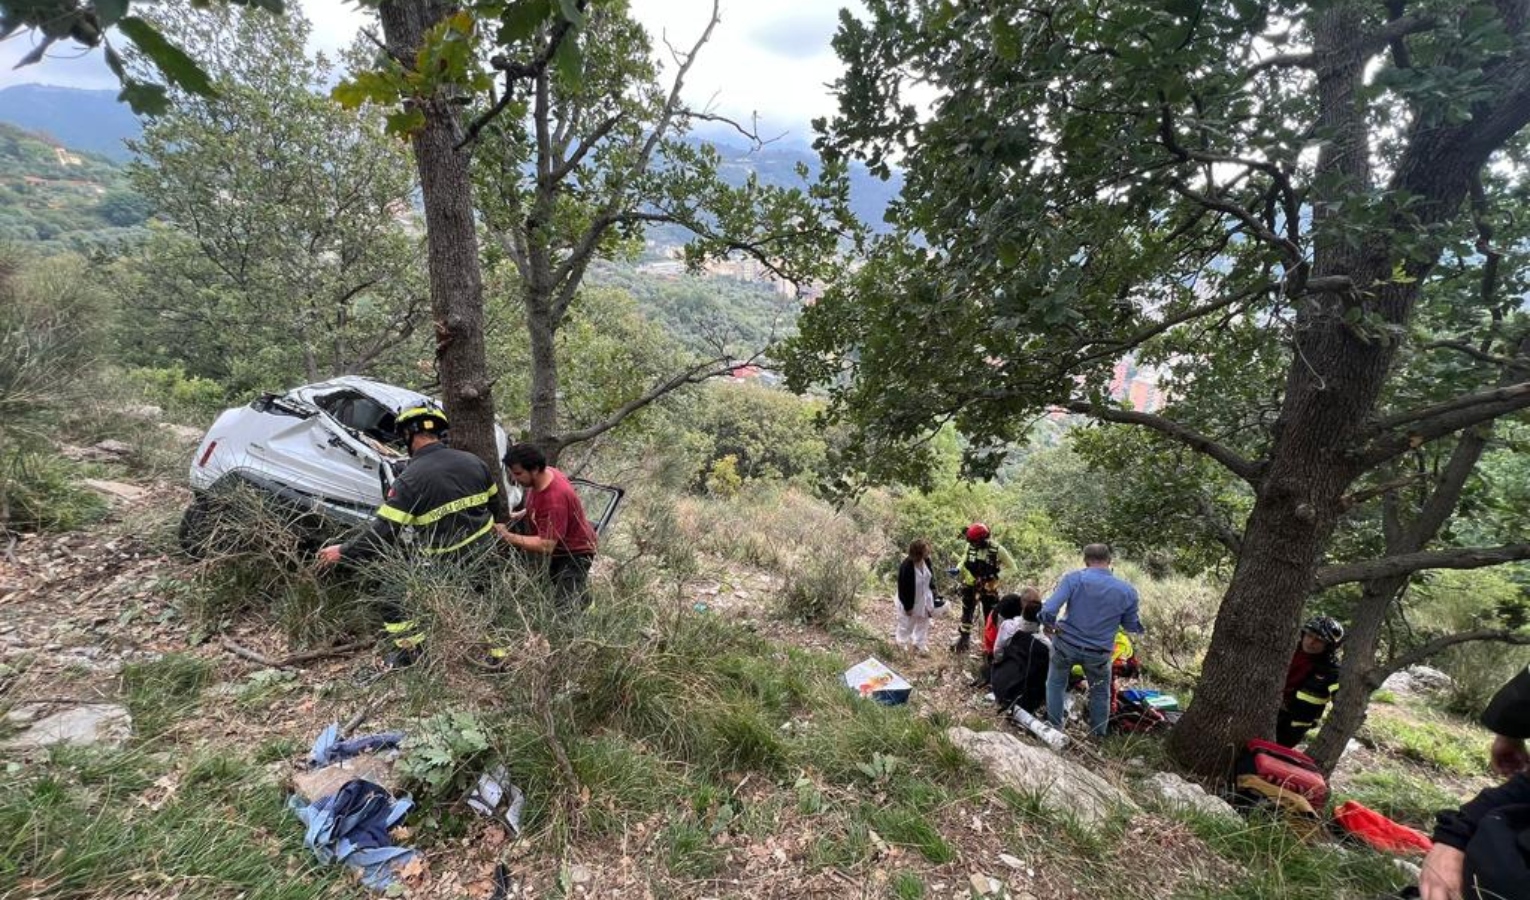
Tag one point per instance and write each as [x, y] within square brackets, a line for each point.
[1305, 705]
[439, 505]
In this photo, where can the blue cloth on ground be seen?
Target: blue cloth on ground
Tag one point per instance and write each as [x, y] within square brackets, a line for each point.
[351, 827]
[328, 748]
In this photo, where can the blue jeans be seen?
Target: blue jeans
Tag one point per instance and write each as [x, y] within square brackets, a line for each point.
[1096, 671]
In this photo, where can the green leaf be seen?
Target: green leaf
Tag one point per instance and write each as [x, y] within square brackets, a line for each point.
[108, 12]
[406, 122]
[114, 62]
[144, 98]
[569, 60]
[521, 20]
[367, 87]
[1006, 43]
[170, 59]
[571, 12]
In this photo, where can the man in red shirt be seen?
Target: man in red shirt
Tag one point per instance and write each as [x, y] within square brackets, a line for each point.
[561, 533]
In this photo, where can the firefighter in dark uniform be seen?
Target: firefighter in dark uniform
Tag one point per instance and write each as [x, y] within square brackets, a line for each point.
[979, 572]
[1311, 681]
[439, 507]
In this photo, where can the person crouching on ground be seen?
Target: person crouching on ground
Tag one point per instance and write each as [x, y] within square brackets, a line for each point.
[1020, 665]
[1029, 599]
[1004, 620]
[916, 599]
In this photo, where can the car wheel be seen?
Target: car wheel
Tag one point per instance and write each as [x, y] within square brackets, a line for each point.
[200, 526]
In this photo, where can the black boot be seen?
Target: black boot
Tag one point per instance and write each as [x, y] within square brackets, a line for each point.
[963, 640]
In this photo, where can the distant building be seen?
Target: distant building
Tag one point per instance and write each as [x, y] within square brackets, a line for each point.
[65, 158]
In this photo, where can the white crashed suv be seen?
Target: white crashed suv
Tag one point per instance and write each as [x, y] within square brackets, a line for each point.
[322, 456]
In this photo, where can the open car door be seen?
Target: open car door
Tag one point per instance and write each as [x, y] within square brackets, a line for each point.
[600, 502]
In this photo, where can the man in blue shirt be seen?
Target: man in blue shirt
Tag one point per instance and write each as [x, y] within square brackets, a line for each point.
[1098, 604]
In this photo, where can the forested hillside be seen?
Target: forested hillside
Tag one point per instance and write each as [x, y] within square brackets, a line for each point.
[59, 197]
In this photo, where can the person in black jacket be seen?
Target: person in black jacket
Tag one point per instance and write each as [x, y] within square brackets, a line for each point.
[1311, 680]
[438, 507]
[916, 599]
[1482, 850]
[1019, 676]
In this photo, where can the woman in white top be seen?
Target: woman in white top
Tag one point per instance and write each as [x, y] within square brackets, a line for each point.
[916, 599]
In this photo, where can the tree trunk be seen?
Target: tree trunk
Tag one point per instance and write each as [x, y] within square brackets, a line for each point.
[456, 282]
[1331, 389]
[544, 381]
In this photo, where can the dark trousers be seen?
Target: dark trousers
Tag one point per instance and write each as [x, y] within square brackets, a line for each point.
[570, 577]
[1287, 734]
[971, 597]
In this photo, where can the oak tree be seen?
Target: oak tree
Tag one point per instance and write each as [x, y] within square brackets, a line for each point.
[1086, 180]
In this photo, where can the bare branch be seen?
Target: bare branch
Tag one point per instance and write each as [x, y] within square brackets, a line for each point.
[750, 132]
[1250, 222]
[1350, 501]
[705, 371]
[1423, 653]
[1365, 47]
[1245, 469]
[1407, 563]
[1463, 347]
[1430, 423]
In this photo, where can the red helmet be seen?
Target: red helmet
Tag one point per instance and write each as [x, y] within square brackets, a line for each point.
[977, 531]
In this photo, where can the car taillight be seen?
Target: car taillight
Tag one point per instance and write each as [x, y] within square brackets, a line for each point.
[207, 454]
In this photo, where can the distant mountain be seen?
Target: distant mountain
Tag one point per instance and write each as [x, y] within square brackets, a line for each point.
[776, 163]
[79, 119]
[95, 121]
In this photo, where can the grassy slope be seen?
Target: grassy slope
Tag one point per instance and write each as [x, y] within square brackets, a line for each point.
[705, 752]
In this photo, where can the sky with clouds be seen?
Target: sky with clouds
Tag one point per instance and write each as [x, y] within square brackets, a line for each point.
[772, 59]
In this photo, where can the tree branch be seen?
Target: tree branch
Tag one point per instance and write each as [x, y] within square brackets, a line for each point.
[712, 368]
[1245, 469]
[1225, 534]
[1351, 501]
[1250, 222]
[568, 272]
[1429, 423]
[1463, 347]
[580, 152]
[516, 71]
[1365, 47]
[1407, 563]
[1422, 653]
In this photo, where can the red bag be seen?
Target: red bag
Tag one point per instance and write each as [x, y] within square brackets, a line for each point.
[1378, 831]
[990, 634]
[1288, 769]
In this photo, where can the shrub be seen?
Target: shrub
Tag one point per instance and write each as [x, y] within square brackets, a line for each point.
[821, 589]
[441, 754]
[41, 491]
[723, 479]
[184, 398]
[49, 310]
